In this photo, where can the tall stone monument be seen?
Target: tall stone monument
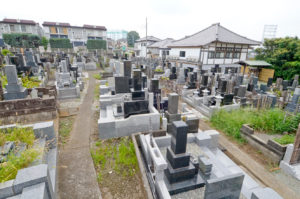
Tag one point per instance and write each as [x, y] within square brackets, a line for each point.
[14, 88]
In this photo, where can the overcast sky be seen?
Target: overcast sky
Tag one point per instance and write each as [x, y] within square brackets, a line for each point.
[166, 18]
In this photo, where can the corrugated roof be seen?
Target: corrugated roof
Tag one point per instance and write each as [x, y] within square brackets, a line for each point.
[149, 38]
[19, 21]
[162, 44]
[215, 32]
[254, 63]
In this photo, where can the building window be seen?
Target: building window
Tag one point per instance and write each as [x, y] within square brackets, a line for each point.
[211, 55]
[182, 54]
[228, 55]
[53, 30]
[236, 55]
[12, 28]
[23, 28]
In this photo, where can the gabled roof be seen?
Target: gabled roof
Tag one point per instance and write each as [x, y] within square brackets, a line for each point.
[213, 33]
[161, 44]
[19, 21]
[149, 38]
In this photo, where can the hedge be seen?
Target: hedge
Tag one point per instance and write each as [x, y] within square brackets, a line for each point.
[60, 43]
[96, 44]
[22, 40]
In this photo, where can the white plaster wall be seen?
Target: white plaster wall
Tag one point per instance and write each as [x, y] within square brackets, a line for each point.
[189, 52]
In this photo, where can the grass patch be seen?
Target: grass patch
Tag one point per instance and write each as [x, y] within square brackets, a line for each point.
[97, 76]
[286, 139]
[271, 121]
[115, 154]
[65, 127]
[96, 91]
[18, 135]
[30, 82]
[11, 165]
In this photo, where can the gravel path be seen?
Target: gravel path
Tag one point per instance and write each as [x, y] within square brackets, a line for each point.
[76, 173]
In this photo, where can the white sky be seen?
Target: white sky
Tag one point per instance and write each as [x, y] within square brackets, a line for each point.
[166, 18]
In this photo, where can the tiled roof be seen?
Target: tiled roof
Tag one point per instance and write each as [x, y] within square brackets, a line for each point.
[48, 23]
[149, 38]
[94, 27]
[213, 33]
[162, 44]
[19, 21]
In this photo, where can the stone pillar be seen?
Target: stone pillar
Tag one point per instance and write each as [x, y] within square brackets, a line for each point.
[150, 96]
[218, 100]
[296, 152]
[205, 93]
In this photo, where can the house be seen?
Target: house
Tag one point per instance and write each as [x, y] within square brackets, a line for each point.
[141, 45]
[160, 48]
[8, 26]
[213, 45]
[78, 35]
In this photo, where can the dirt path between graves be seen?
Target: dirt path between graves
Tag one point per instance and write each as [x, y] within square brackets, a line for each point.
[76, 173]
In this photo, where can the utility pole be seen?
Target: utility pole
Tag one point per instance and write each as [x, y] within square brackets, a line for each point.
[146, 36]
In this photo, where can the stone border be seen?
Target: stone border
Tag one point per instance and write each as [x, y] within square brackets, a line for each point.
[38, 180]
[141, 166]
[270, 149]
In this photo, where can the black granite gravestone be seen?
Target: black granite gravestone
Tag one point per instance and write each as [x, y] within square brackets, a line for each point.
[138, 95]
[227, 99]
[154, 87]
[122, 85]
[127, 68]
[270, 82]
[137, 80]
[204, 80]
[223, 85]
[135, 107]
[180, 168]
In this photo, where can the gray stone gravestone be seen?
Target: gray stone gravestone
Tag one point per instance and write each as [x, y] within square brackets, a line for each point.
[14, 88]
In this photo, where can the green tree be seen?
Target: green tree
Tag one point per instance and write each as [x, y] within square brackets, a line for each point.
[22, 40]
[132, 36]
[283, 54]
[44, 42]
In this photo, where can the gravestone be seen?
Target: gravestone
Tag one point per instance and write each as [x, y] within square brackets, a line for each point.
[135, 107]
[236, 90]
[181, 77]
[180, 168]
[242, 91]
[250, 87]
[127, 69]
[292, 106]
[296, 77]
[255, 81]
[34, 93]
[227, 99]
[270, 82]
[240, 79]
[154, 86]
[204, 80]
[172, 112]
[14, 88]
[278, 82]
[122, 85]
[137, 80]
[223, 85]
[295, 84]
[29, 59]
[263, 88]
[285, 84]
[173, 73]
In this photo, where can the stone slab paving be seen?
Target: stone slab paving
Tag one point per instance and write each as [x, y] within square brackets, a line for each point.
[76, 173]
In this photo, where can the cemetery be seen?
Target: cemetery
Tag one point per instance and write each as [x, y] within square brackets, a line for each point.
[85, 116]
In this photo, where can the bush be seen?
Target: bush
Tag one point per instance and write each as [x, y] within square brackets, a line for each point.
[96, 44]
[60, 43]
[268, 121]
[97, 76]
[30, 82]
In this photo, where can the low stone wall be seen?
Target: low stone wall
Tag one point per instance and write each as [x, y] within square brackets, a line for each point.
[270, 149]
[29, 110]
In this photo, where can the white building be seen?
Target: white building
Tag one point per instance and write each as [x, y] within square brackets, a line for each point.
[141, 45]
[160, 48]
[78, 35]
[213, 45]
[117, 34]
[8, 26]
